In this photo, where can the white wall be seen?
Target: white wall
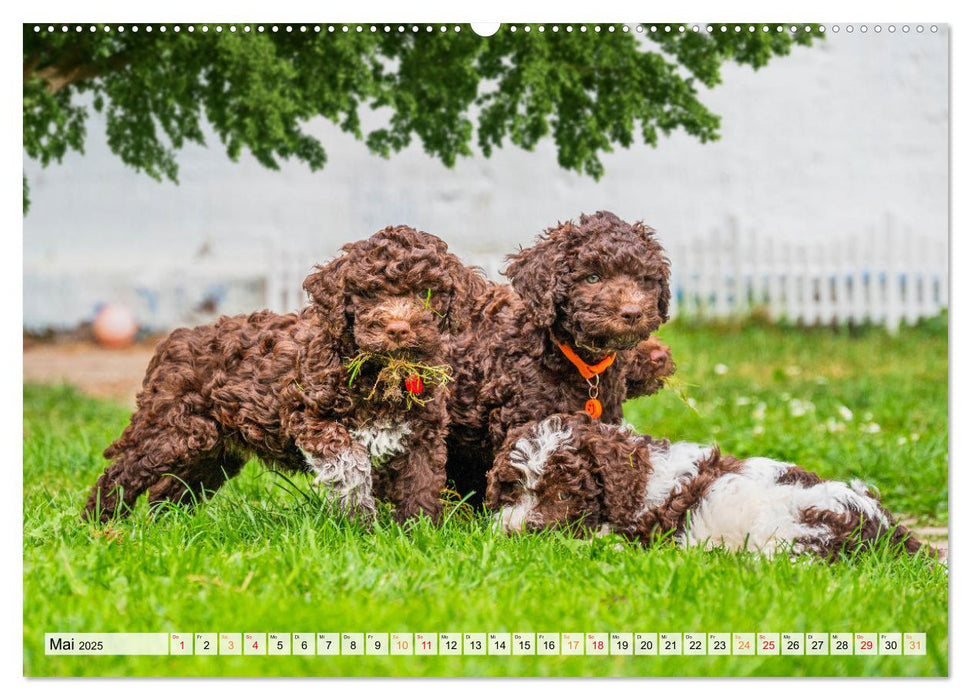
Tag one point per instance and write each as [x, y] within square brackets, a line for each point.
[831, 140]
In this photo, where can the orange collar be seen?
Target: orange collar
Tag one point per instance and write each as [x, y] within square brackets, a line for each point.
[588, 371]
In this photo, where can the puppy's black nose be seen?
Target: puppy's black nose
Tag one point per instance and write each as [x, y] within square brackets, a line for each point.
[630, 313]
[398, 330]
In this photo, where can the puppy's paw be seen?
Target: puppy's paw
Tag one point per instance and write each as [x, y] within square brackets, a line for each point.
[651, 365]
[659, 358]
[347, 475]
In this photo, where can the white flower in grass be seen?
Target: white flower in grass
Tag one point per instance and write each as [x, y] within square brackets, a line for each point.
[915, 436]
[845, 413]
[800, 408]
[742, 401]
[759, 412]
[870, 428]
[720, 368]
[835, 426]
[691, 402]
[758, 430]
[901, 441]
[793, 371]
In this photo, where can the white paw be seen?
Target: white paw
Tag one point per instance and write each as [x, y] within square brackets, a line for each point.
[347, 476]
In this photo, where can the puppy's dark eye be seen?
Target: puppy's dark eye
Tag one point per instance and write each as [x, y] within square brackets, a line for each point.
[592, 279]
[561, 496]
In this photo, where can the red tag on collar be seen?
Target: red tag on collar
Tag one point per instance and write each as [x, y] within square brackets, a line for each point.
[594, 408]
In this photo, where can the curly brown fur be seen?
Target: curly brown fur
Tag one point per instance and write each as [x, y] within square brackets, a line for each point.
[570, 469]
[601, 286]
[276, 387]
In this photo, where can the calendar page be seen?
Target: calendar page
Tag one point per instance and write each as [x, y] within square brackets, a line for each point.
[485, 350]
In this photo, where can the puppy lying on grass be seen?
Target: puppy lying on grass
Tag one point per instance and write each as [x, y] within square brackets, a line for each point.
[570, 469]
[349, 389]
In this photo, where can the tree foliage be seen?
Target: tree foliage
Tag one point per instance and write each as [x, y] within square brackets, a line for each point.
[590, 90]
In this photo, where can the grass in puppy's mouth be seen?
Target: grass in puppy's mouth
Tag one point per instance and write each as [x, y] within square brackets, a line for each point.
[395, 369]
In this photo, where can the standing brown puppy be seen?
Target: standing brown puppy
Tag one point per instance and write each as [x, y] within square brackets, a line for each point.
[277, 387]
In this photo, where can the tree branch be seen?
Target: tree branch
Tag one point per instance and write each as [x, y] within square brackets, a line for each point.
[59, 75]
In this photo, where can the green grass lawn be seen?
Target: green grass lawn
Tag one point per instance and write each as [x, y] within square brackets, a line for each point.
[260, 557]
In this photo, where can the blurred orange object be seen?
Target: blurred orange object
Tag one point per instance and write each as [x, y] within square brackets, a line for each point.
[115, 326]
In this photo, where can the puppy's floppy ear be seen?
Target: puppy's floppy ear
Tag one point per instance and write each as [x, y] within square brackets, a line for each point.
[326, 290]
[468, 285]
[532, 273]
[622, 469]
[504, 482]
[664, 294]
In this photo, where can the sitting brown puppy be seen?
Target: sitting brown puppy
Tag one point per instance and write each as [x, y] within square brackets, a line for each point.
[573, 332]
[570, 470]
[348, 389]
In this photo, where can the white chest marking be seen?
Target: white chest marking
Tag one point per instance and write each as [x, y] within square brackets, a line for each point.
[382, 440]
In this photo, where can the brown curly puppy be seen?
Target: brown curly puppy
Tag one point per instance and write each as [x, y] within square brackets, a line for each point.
[570, 469]
[595, 291]
[276, 386]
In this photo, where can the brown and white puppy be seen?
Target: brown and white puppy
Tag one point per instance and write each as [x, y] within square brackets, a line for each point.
[569, 470]
[599, 287]
[276, 387]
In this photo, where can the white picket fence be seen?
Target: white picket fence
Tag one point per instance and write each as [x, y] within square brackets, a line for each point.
[887, 275]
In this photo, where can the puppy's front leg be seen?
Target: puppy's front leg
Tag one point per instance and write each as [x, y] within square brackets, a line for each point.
[649, 366]
[417, 476]
[338, 463]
